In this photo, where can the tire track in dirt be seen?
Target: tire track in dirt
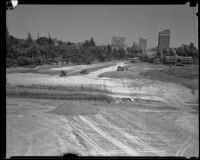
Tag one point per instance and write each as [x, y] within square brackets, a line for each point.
[147, 131]
[175, 98]
[97, 148]
[131, 137]
[125, 148]
[183, 147]
[93, 144]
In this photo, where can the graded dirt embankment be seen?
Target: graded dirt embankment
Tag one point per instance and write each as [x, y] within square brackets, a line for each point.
[161, 119]
[156, 83]
[71, 69]
[136, 88]
[55, 127]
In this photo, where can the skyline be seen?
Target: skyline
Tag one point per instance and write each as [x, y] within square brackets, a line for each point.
[77, 23]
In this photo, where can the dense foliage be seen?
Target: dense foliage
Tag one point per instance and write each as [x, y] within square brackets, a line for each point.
[45, 50]
[183, 50]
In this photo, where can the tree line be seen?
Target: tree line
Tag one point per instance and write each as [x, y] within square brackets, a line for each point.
[45, 50]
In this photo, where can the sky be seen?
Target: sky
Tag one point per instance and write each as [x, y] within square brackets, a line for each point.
[77, 23]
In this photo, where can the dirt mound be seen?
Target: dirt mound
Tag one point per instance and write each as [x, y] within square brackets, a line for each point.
[71, 109]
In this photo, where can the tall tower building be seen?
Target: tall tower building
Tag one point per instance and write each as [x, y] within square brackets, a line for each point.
[143, 45]
[118, 42]
[164, 40]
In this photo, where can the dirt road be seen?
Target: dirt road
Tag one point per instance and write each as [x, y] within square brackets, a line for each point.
[134, 89]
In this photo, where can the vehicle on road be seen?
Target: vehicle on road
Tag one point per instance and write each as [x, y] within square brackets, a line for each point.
[135, 60]
[63, 73]
[179, 64]
[119, 68]
[157, 61]
[123, 68]
[84, 71]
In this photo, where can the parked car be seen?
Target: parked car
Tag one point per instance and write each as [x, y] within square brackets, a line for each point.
[135, 60]
[119, 68]
[157, 61]
[63, 73]
[84, 71]
[179, 64]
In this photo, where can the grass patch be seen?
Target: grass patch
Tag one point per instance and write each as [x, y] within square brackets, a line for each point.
[195, 107]
[166, 108]
[77, 108]
[119, 75]
[166, 76]
[71, 89]
[57, 92]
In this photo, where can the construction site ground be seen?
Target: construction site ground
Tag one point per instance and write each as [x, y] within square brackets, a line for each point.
[159, 119]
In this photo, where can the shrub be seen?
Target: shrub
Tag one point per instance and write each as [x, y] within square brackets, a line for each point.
[38, 61]
[23, 61]
[11, 62]
[148, 59]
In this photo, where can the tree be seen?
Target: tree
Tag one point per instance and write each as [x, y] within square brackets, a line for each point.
[114, 53]
[50, 40]
[86, 44]
[34, 50]
[29, 38]
[187, 50]
[121, 53]
[13, 41]
[171, 52]
[100, 53]
[23, 61]
[7, 36]
[38, 36]
[43, 41]
[192, 50]
[108, 52]
[51, 52]
[92, 43]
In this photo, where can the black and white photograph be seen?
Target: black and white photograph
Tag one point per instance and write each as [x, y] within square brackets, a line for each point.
[102, 80]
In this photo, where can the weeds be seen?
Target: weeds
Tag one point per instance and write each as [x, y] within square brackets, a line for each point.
[81, 92]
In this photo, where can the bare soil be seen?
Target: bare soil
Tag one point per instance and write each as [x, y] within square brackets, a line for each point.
[160, 119]
[56, 127]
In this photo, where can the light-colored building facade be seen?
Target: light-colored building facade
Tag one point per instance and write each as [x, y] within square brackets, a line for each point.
[118, 42]
[135, 45]
[151, 52]
[143, 45]
[164, 40]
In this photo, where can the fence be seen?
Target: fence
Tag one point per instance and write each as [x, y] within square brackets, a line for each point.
[187, 70]
[82, 92]
[174, 59]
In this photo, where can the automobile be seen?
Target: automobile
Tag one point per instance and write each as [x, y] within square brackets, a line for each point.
[179, 64]
[157, 61]
[119, 68]
[84, 71]
[135, 60]
[63, 73]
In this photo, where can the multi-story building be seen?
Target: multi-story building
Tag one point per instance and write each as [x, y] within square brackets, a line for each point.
[151, 52]
[142, 45]
[118, 42]
[164, 40]
[135, 45]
